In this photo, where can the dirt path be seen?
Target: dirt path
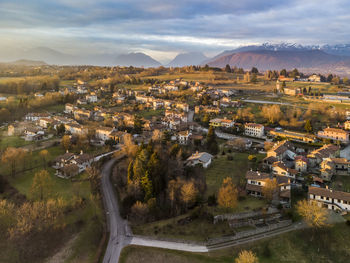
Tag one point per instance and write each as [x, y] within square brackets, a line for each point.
[64, 252]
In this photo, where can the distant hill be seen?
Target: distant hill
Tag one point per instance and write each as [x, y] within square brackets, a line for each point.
[186, 59]
[267, 59]
[25, 62]
[137, 60]
[49, 55]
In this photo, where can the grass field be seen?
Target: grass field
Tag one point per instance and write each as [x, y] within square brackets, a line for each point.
[148, 114]
[221, 168]
[12, 141]
[84, 222]
[329, 245]
[198, 229]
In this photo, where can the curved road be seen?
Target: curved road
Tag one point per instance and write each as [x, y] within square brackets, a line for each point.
[121, 235]
[117, 226]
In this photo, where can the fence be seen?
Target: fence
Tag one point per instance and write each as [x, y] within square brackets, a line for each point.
[249, 233]
[244, 215]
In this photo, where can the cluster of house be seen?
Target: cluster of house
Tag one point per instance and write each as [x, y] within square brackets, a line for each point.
[333, 134]
[69, 164]
[35, 125]
[287, 164]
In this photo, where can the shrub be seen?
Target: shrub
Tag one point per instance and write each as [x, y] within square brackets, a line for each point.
[212, 200]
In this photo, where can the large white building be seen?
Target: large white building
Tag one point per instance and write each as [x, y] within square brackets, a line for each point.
[331, 199]
[254, 130]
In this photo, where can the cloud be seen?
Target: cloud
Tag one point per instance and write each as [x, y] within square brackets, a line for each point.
[159, 27]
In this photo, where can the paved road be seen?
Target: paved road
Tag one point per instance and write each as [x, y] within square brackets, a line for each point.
[121, 235]
[268, 102]
[117, 226]
[147, 242]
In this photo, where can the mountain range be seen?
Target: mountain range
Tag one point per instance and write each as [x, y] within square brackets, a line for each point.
[309, 58]
[185, 59]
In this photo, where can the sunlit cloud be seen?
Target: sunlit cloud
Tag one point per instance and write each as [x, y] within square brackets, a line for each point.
[165, 28]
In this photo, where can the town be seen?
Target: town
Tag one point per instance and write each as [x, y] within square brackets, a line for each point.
[201, 156]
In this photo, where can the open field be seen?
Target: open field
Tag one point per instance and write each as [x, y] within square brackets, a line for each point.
[83, 223]
[184, 228]
[12, 141]
[328, 245]
[221, 168]
[10, 79]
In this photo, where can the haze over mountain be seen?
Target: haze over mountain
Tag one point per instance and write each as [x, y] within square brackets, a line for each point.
[325, 58]
[315, 58]
[137, 60]
[267, 59]
[189, 58]
[25, 62]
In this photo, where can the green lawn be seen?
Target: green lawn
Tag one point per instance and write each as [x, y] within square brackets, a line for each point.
[61, 187]
[221, 168]
[148, 114]
[329, 245]
[198, 229]
[12, 141]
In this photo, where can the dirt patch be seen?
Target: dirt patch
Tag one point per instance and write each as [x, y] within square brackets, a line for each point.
[64, 252]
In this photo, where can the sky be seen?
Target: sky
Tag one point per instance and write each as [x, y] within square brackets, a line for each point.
[162, 28]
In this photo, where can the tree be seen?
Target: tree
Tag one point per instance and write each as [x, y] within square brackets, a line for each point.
[294, 73]
[139, 211]
[66, 142]
[254, 70]
[283, 72]
[313, 214]
[246, 257]
[60, 129]
[283, 86]
[254, 78]
[41, 188]
[147, 186]
[130, 147]
[269, 188]
[228, 68]
[227, 196]
[188, 193]
[94, 179]
[138, 124]
[12, 156]
[272, 113]
[44, 154]
[211, 142]
[308, 126]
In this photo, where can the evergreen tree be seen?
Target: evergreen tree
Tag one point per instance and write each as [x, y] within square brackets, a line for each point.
[308, 126]
[283, 72]
[138, 124]
[254, 70]
[147, 187]
[228, 68]
[211, 142]
[130, 172]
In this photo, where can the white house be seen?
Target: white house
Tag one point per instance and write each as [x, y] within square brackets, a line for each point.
[331, 199]
[202, 158]
[103, 133]
[184, 137]
[254, 130]
[91, 98]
